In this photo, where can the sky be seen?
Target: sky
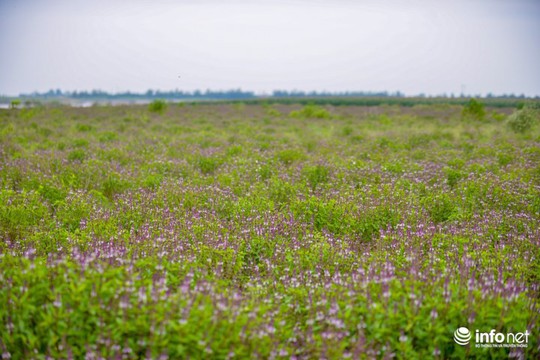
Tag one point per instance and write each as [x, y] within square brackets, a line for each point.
[413, 46]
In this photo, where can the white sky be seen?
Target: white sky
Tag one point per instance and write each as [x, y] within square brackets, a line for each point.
[415, 46]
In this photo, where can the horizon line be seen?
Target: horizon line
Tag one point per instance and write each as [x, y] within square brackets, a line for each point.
[258, 94]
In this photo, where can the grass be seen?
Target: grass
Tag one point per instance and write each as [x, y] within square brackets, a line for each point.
[266, 231]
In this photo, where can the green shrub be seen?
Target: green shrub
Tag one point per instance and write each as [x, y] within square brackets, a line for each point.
[504, 159]
[323, 215]
[83, 127]
[52, 194]
[113, 185]
[264, 171]
[20, 213]
[157, 106]
[522, 120]
[281, 192]
[441, 208]
[475, 110]
[273, 112]
[453, 176]
[316, 175]
[70, 212]
[77, 155]
[80, 143]
[108, 136]
[234, 150]
[347, 130]
[152, 181]
[288, 156]
[370, 222]
[207, 164]
[311, 112]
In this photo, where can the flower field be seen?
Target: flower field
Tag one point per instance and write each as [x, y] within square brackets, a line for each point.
[271, 231]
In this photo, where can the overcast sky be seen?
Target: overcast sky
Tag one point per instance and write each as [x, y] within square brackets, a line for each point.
[415, 46]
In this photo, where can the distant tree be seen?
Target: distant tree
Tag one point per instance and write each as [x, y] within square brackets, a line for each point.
[15, 103]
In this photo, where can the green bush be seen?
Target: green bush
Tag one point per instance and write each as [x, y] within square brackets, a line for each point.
[207, 164]
[347, 130]
[108, 136]
[311, 112]
[475, 110]
[316, 175]
[288, 156]
[113, 185]
[281, 192]
[370, 222]
[157, 106]
[521, 121]
[77, 155]
[441, 208]
[84, 127]
[453, 176]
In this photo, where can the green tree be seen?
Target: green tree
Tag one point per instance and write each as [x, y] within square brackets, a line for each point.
[15, 103]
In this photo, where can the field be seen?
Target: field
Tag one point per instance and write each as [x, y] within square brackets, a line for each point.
[213, 231]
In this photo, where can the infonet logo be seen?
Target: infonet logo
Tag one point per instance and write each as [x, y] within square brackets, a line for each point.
[462, 336]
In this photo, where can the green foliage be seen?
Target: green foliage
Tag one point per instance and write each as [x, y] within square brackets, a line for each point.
[453, 176]
[281, 192]
[264, 171]
[533, 105]
[83, 127]
[441, 208]
[70, 213]
[152, 181]
[521, 121]
[108, 136]
[77, 155]
[273, 112]
[112, 186]
[15, 103]
[475, 110]
[20, 213]
[207, 164]
[157, 106]
[327, 215]
[311, 112]
[289, 156]
[80, 143]
[504, 159]
[234, 150]
[369, 223]
[52, 194]
[347, 131]
[316, 175]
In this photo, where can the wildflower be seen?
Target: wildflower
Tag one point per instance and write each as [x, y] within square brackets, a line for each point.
[57, 303]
